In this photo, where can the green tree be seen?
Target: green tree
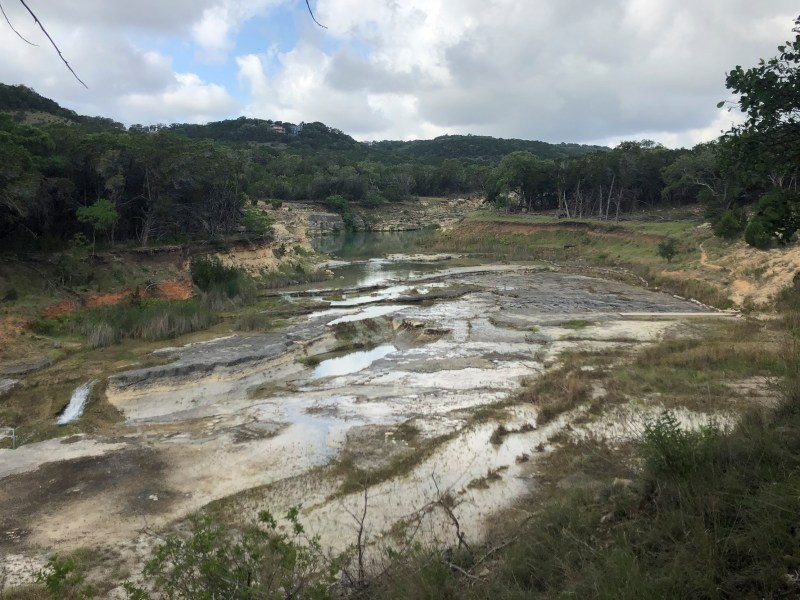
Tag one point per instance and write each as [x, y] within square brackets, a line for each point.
[731, 224]
[769, 95]
[524, 177]
[668, 249]
[777, 217]
[342, 206]
[766, 147]
[257, 221]
[698, 175]
[101, 215]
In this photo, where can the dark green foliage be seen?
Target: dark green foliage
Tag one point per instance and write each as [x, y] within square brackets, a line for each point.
[669, 450]
[769, 140]
[257, 222]
[765, 149]
[776, 218]
[260, 562]
[731, 225]
[210, 274]
[757, 235]
[63, 580]
[374, 199]
[530, 179]
[476, 147]
[341, 205]
[668, 249]
[11, 295]
[19, 98]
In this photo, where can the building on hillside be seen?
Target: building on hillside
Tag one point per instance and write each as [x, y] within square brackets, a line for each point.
[278, 129]
[296, 130]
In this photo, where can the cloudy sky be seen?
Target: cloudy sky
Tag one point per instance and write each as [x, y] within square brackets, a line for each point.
[595, 71]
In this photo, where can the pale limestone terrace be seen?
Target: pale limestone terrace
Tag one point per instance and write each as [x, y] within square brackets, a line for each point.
[249, 418]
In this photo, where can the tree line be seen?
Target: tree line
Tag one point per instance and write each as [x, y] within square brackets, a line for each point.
[63, 175]
[747, 179]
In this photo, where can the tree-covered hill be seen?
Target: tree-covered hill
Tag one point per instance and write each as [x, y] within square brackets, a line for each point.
[19, 98]
[475, 147]
[245, 130]
[23, 102]
[29, 106]
[179, 181]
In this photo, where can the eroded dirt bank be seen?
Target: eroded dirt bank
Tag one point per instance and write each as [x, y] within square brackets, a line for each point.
[277, 420]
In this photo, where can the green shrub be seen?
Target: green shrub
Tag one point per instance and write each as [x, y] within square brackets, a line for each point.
[756, 234]
[576, 324]
[777, 217]
[258, 222]
[668, 249]
[259, 321]
[731, 225]
[209, 273]
[144, 319]
[374, 199]
[341, 205]
[47, 326]
[63, 579]
[259, 562]
[670, 450]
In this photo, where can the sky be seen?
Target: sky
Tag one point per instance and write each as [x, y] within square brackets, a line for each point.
[584, 71]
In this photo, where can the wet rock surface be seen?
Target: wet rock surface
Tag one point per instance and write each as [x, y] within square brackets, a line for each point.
[6, 385]
[229, 352]
[246, 418]
[25, 367]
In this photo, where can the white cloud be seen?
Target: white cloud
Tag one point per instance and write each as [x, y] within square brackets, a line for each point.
[213, 31]
[299, 92]
[723, 122]
[188, 95]
[558, 70]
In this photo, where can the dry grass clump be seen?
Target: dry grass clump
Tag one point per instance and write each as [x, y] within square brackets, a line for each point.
[557, 392]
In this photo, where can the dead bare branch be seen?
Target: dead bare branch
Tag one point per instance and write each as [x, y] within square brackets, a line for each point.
[19, 35]
[64, 60]
[313, 17]
[442, 502]
[464, 572]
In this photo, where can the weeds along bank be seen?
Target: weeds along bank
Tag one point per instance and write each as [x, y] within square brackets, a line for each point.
[702, 266]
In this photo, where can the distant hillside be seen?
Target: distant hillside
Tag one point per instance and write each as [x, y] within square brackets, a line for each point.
[319, 137]
[477, 147]
[314, 136]
[31, 107]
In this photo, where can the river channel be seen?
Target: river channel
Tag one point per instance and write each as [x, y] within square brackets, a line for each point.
[388, 371]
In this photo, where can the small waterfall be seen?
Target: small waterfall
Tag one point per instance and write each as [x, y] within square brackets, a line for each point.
[76, 403]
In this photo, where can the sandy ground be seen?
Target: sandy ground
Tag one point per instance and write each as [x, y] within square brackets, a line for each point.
[756, 276]
[254, 429]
